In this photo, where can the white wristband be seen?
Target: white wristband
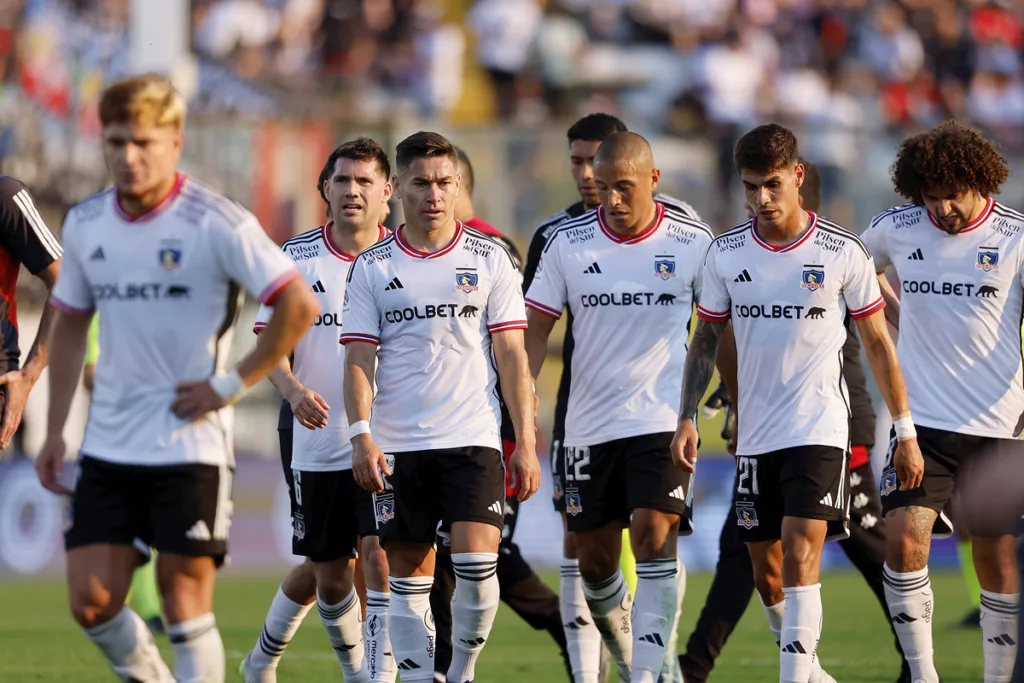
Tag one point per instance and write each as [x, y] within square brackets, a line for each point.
[904, 427]
[228, 385]
[357, 428]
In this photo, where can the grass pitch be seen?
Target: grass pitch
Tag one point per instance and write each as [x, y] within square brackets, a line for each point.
[41, 643]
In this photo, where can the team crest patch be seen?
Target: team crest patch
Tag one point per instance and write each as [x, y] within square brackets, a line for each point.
[746, 518]
[573, 505]
[384, 507]
[298, 528]
[889, 483]
[813, 277]
[559, 491]
[664, 267]
[466, 281]
[988, 259]
[169, 255]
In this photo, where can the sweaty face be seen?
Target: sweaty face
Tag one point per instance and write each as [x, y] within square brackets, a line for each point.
[625, 190]
[358, 192]
[428, 189]
[773, 197]
[581, 161]
[953, 210]
[141, 158]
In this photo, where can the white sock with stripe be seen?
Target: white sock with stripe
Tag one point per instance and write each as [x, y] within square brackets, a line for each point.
[128, 646]
[999, 634]
[283, 619]
[198, 650]
[582, 639]
[474, 606]
[909, 596]
[345, 633]
[656, 602]
[379, 656]
[411, 626]
[610, 605]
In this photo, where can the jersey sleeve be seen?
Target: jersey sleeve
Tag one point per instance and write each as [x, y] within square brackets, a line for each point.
[548, 293]
[875, 238]
[505, 309]
[92, 347]
[715, 304]
[262, 318]
[23, 230]
[860, 290]
[72, 294]
[533, 254]
[360, 317]
[250, 258]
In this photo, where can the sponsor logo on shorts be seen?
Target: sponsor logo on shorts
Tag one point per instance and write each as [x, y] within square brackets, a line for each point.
[298, 528]
[746, 518]
[889, 483]
[384, 507]
[573, 505]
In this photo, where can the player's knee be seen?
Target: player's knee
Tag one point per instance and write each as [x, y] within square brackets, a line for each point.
[91, 605]
[597, 563]
[333, 590]
[769, 586]
[654, 537]
[375, 564]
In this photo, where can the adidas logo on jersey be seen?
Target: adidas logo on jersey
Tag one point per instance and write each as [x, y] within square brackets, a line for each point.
[593, 269]
[319, 287]
[408, 665]
[495, 507]
[98, 255]
[394, 284]
[743, 277]
[1004, 639]
[653, 639]
[795, 648]
[677, 493]
[916, 255]
[198, 532]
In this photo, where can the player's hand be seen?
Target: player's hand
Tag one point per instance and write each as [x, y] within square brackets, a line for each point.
[368, 463]
[716, 401]
[309, 408]
[1020, 426]
[16, 386]
[524, 471]
[195, 399]
[50, 464]
[684, 446]
[909, 464]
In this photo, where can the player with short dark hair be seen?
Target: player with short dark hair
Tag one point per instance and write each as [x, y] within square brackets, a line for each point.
[629, 272]
[787, 279]
[332, 516]
[162, 259]
[435, 313]
[582, 637]
[959, 255]
[733, 584]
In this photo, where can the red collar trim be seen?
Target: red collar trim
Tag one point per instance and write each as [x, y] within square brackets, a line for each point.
[339, 252]
[158, 208]
[639, 237]
[416, 253]
[780, 248]
[973, 224]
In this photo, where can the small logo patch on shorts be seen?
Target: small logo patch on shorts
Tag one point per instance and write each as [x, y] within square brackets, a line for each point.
[298, 528]
[889, 483]
[385, 508]
[559, 491]
[746, 518]
[573, 505]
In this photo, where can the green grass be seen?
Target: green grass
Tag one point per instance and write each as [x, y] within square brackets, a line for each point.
[41, 643]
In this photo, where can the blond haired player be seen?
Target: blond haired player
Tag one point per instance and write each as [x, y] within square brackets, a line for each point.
[162, 259]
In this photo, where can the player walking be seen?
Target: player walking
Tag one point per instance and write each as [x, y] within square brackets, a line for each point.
[959, 256]
[438, 309]
[332, 511]
[158, 256]
[582, 637]
[629, 273]
[788, 279]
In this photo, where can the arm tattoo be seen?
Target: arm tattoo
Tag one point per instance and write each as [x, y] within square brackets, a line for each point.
[700, 365]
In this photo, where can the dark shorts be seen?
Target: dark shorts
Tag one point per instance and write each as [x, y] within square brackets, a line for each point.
[333, 513]
[557, 485]
[948, 457]
[811, 482]
[284, 436]
[605, 483]
[431, 490]
[183, 509]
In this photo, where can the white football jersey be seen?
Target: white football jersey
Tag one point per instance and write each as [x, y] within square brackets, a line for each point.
[788, 305]
[318, 361]
[166, 285]
[960, 316]
[631, 300]
[432, 316]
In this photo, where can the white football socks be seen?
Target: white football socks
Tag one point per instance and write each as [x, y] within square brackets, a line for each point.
[379, 656]
[345, 633]
[411, 626]
[129, 648]
[198, 650]
[668, 669]
[474, 606]
[583, 640]
[775, 613]
[283, 619]
[801, 629]
[610, 605]
[999, 634]
[656, 602]
[909, 595]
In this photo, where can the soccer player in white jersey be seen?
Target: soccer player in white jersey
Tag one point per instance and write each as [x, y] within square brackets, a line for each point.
[437, 309]
[788, 279]
[959, 256]
[332, 511]
[629, 272]
[582, 637]
[162, 259]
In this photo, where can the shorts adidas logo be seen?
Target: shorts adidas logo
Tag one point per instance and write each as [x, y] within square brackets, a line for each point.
[393, 285]
[678, 493]
[198, 532]
[827, 500]
[653, 639]
[495, 507]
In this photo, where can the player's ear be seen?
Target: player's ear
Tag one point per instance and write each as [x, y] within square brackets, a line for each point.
[655, 179]
[798, 171]
[389, 189]
[396, 186]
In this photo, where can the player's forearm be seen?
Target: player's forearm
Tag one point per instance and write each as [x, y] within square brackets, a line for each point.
[535, 339]
[892, 301]
[70, 337]
[885, 366]
[727, 363]
[359, 365]
[294, 311]
[700, 366]
[517, 387]
[39, 354]
[283, 379]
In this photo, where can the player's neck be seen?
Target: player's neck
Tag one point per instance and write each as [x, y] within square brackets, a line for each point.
[645, 222]
[429, 241]
[353, 239]
[783, 233]
[136, 205]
